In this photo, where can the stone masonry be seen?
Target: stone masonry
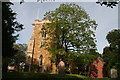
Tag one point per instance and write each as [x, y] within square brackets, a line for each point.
[96, 68]
[40, 54]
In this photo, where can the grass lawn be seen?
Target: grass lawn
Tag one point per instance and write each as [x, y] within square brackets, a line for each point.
[44, 76]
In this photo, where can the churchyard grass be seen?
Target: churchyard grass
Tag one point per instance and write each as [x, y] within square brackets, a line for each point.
[34, 76]
[43, 76]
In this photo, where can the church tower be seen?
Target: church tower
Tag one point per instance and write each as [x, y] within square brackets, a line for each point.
[40, 54]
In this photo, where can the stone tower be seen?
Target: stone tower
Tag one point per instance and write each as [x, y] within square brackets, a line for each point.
[40, 55]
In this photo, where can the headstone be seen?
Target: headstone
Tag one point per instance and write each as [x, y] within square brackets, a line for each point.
[61, 68]
[113, 73]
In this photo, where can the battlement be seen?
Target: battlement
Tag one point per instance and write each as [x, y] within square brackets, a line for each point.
[38, 22]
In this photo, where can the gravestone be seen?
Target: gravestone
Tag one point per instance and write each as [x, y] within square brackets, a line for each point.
[61, 67]
[113, 73]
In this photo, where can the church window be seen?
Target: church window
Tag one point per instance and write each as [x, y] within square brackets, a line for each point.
[44, 34]
[41, 59]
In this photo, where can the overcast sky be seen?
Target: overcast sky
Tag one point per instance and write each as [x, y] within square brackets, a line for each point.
[106, 18]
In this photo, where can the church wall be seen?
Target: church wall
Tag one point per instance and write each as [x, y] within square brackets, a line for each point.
[34, 46]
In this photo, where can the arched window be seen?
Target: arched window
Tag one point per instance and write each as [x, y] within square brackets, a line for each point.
[44, 34]
[41, 59]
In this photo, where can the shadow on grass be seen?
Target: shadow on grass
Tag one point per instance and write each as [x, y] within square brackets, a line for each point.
[44, 76]
[38, 76]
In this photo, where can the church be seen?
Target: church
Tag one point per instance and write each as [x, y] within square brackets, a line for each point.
[35, 52]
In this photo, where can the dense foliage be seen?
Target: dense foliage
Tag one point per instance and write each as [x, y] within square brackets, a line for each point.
[71, 33]
[111, 53]
[9, 28]
[20, 57]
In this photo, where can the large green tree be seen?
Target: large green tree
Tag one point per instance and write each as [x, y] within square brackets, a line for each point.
[9, 27]
[71, 31]
[111, 54]
[20, 56]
